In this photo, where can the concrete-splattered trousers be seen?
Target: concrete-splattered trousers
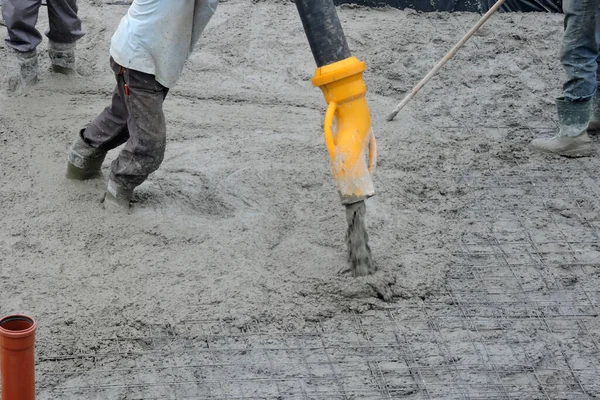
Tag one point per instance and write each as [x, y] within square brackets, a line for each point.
[580, 52]
[135, 117]
[22, 15]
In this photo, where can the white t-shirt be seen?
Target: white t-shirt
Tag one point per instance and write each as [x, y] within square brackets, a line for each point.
[157, 36]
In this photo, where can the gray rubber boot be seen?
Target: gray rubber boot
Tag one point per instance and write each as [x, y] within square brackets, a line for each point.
[116, 198]
[28, 71]
[594, 126]
[84, 161]
[62, 57]
[572, 139]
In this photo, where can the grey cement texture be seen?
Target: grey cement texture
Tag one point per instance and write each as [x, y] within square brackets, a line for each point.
[226, 281]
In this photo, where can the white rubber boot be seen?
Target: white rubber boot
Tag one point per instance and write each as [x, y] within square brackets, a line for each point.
[572, 139]
[116, 198]
[62, 56]
[27, 74]
[594, 126]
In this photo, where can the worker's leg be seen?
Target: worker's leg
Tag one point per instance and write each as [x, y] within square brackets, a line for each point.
[579, 52]
[144, 151]
[65, 25]
[594, 126]
[598, 44]
[107, 131]
[65, 30]
[579, 57]
[20, 17]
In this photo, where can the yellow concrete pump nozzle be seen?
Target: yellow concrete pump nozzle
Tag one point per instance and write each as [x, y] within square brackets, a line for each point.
[344, 90]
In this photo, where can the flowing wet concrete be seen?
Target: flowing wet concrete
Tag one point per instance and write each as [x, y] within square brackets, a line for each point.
[227, 280]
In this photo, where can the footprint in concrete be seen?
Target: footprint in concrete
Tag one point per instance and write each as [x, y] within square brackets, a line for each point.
[266, 186]
[183, 191]
[240, 188]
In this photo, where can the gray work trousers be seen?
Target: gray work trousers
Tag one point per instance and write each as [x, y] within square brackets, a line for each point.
[580, 52]
[135, 117]
[21, 16]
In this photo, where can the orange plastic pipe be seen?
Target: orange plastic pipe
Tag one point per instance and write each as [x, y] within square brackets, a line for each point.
[17, 364]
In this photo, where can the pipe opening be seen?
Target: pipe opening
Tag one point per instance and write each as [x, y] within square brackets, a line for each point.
[17, 324]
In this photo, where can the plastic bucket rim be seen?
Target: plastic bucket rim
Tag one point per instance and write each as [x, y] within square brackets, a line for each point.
[17, 334]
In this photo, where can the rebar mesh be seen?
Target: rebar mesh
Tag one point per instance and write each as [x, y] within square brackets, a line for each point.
[517, 318]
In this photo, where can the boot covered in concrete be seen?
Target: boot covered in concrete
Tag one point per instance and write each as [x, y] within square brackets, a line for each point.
[572, 139]
[84, 161]
[62, 57]
[594, 126]
[117, 198]
[27, 75]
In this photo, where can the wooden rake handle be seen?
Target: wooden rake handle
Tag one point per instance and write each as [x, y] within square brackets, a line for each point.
[444, 60]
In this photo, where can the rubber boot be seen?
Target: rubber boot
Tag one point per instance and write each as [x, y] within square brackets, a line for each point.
[62, 57]
[594, 126]
[28, 71]
[572, 139]
[117, 198]
[84, 161]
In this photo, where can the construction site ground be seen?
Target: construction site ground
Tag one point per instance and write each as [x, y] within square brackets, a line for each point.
[227, 279]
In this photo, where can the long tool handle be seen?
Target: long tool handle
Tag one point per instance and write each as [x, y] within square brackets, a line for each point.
[444, 60]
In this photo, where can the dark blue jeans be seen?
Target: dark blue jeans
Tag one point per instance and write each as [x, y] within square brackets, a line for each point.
[580, 52]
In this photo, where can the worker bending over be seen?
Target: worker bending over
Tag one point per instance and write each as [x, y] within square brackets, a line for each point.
[20, 17]
[579, 108]
[148, 52]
